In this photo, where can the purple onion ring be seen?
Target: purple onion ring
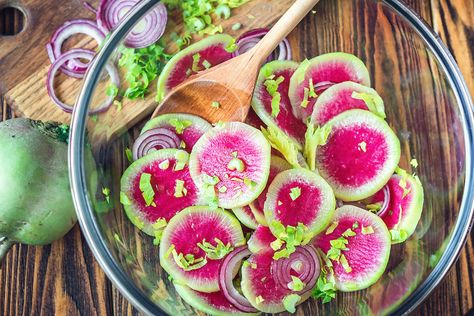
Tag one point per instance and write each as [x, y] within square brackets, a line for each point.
[154, 139]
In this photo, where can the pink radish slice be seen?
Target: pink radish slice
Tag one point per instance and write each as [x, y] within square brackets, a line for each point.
[245, 216]
[196, 127]
[238, 156]
[277, 165]
[360, 155]
[261, 239]
[300, 196]
[211, 51]
[163, 181]
[262, 100]
[211, 303]
[342, 97]
[190, 227]
[367, 252]
[323, 71]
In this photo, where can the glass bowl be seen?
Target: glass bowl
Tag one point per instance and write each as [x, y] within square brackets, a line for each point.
[427, 104]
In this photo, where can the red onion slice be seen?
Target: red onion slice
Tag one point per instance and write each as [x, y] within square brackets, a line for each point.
[146, 32]
[74, 67]
[250, 39]
[303, 263]
[154, 139]
[386, 201]
[226, 269]
[78, 53]
[322, 86]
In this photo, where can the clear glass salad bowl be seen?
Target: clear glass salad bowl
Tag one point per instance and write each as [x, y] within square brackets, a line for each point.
[427, 104]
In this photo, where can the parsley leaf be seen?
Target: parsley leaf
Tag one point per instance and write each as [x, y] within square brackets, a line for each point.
[215, 252]
[313, 139]
[295, 193]
[147, 189]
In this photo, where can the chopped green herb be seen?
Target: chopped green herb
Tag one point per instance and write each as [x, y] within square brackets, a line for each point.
[313, 139]
[276, 244]
[124, 199]
[236, 26]
[196, 59]
[158, 228]
[188, 262]
[118, 105]
[111, 90]
[326, 284]
[305, 102]
[129, 154]
[222, 11]
[94, 118]
[209, 190]
[345, 264]
[164, 165]
[373, 101]
[295, 193]
[236, 164]
[312, 93]
[331, 228]
[290, 236]
[106, 193]
[182, 159]
[180, 125]
[375, 207]
[272, 85]
[367, 230]
[216, 104]
[249, 183]
[355, 225]
[206, 64]
[246, 264]
[169, 251]
[231, 46]
[296, 284]
[222, 189]
[215, 252]
[290, 301]
[147, 189]
[259, 299]
[179, 189]
[276, 101]
[398, 235]
[414, 163]
[348, 233]
[283, 144]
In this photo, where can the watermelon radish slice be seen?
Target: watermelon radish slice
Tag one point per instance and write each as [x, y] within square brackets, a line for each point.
[166, 168]
[322, 72]
[189, 128]
[230, 164]
[360, 155]
[364, 241]
[346, 96]
[299, 196]
[261, 239]
[253, 120]
[277, 165]
[200, 56]
[260, 283]
[405, 206]
[185, 233]
[273, 82]
[211, 303]
[245, 216]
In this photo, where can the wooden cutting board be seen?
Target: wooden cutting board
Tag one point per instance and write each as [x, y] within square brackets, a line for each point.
[24, 62]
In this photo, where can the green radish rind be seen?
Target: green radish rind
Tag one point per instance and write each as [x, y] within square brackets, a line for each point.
[252, 135]
[190, 297]
[281, 165]
[357, 116]
[326, 209]
[257, 105]
[133, 215]
[164, 120]
[244, 218]
[190, 50]
[328, 96]
[301, 73]
[409, 223]
[381, 230]
[167, 261]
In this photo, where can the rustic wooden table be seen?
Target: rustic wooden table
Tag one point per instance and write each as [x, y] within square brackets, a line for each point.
[65, 279]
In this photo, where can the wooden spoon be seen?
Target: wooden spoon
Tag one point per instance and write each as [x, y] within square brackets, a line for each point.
[232, 83]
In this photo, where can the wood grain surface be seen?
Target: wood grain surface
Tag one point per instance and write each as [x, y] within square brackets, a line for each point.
[65, 279]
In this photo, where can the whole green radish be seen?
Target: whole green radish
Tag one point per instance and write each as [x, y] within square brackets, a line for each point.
[36, 205]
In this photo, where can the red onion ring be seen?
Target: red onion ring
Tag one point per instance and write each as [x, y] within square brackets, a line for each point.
[154, 139]
[323, 85]
[226, 269]
[77, 53]
[308, 272]
[89, 7]
[74, 67]
[249, 39]
[111, 12]
[386, 201]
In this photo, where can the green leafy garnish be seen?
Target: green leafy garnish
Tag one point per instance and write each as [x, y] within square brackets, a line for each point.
[236, 164]
[296, 284]
[326, 284]
[180, 125]
[106, 193]
[283, 144]
[215, 252]
[414, 163]
[196, 59]
[337, 245]
[124, 199]
[179, 189]
[289, 236]
[398, 235]
[276, 101]
[182, 158]
[345, 264]
[188, 262]
[169, 251]
[143, 65]
[313, 139]
[259, 299]
[349, 233]
[312, 93]
[231, 46]
[276, 244]
[158, 228]
[295, 193]
[164, 165]
[111, 90]
[332, 227]
[375, 207]
[216, 104]
[290, 301]
[129, 154]
[209, 190]
[236, 26]
[206, 64]
[305, 102]
[147, 189]
[367, 230]
[271, 86]
[374, 102]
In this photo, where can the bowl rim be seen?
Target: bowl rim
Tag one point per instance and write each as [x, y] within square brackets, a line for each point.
[86, 215]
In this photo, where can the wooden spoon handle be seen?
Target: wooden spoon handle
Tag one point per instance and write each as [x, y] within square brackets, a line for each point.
[282, 28]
